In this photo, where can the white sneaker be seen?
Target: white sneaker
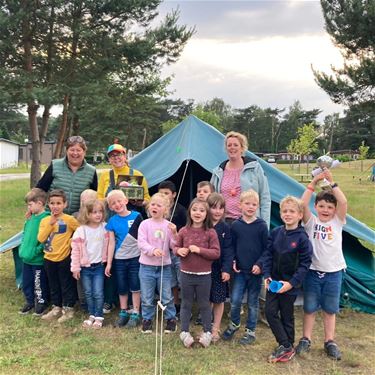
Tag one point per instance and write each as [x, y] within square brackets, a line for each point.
[187, 339]
[53, 314]
[205, 339]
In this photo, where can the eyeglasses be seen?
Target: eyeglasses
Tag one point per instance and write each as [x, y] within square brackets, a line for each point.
[113, 155]
[75, 139]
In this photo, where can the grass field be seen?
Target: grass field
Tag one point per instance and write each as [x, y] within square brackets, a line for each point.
[30, 346]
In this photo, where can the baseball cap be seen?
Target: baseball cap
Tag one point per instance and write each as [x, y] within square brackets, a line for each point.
[116, 147]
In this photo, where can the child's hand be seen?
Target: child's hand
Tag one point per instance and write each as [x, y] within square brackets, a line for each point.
[52, 220]
[256, 270]
[158, 252]
[173, 228]
[235, 267]
[286, 286]
[76, 275]
[194, 249]
[328, 175]
[267, 281]
[182, 252]
[107, 270]
[225, 276]
[27, 214]
[317, 178]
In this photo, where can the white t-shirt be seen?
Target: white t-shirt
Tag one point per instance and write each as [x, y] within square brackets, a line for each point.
[326, 239]
[94, 242]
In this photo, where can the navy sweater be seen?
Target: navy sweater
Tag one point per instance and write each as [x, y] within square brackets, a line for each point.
[226, 249]
[288, 256]
[249, 242]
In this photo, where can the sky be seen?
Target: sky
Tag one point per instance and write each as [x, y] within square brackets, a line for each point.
[253, 52]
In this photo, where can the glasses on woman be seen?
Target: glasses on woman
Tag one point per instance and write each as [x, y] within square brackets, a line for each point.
[113, 155]
[75, 139]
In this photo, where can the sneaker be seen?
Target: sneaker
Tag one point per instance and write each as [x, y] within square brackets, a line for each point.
[88, 322]
[146, 326]
[230, 331]
[187, 339]
[67, 314]
[98, 323]
[332, 350]
[248, 338]
[205, 339]
[303, 346]
[39, 309]
[282, 354]
[26, 309]
[133, 321]
[170, 327]
[53, 314]
[123, 319]
[107, 308]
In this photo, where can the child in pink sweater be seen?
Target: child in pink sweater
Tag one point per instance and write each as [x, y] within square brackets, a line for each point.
[89, 252]
[155, 237]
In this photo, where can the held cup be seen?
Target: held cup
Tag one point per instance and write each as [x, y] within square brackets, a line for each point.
[275, 286]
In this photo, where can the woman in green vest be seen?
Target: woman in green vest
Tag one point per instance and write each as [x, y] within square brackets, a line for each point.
[71, 173]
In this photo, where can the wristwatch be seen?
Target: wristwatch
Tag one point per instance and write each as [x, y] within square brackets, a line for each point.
[334, 185]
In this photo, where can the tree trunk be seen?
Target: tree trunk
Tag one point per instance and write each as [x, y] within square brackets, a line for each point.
[44, 129]
[63, 127]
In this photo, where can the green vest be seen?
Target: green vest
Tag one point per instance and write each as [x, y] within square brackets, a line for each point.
[72, 183]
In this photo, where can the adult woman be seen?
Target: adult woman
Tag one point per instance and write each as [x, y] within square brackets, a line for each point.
[71, 173]
[240, 173]
[109, 179]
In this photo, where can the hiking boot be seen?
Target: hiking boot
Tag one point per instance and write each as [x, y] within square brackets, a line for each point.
[26, 309]
[133, 321]
[282, 354]
[146, 326]
[170, 327]
[53, 314]
[123, 318]
[332, 350]
[303, 346]
[39, 309]
[248, 338]
[205, 339]
[187, 339]
[230, 331]
[67, 314]
[107, 308]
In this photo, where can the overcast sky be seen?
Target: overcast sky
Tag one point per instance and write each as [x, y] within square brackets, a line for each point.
[253, 52]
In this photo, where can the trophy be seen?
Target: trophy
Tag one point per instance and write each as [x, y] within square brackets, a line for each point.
[324, 162]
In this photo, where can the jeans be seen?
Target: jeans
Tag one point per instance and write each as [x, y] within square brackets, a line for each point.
[34, 284]
[127, 275]
[151, 280]
[252, 283]
[93, 288]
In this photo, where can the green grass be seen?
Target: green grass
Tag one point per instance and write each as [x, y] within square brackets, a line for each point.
[30, 346]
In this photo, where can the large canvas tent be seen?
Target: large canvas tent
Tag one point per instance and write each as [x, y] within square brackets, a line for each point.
[189, 152]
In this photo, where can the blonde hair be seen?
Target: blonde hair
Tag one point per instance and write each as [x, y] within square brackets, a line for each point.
[165, 201]
[296, 201]
[87, 195]
[249, 194]
[115, 192]
[87, 208]
[241, 138]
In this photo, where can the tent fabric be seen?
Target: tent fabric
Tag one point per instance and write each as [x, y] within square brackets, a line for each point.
[201, 146]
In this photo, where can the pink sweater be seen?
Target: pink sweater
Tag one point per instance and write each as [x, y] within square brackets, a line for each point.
[79, 256]
[153, 234]
[208, 243]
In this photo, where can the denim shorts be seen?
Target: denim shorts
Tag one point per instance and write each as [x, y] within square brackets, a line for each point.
[126, 271]
[322, 290]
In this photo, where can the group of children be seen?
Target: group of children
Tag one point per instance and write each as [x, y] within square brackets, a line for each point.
[195, 252]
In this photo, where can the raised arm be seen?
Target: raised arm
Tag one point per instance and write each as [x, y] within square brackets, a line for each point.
[306, 196]
[342, 203]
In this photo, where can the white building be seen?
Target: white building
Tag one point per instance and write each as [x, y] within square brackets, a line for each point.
[8, 153]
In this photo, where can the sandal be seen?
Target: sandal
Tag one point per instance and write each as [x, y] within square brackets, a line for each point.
[215, 336]
[98, 323]
[88, 322]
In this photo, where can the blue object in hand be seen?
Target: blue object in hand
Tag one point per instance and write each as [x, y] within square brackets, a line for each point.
[275, 286]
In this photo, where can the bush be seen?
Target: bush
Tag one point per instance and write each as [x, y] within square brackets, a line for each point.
[343, 158]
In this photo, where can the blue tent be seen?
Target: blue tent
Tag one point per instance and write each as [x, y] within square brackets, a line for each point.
[190, 152]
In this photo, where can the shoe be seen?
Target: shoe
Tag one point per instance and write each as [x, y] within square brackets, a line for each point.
[107, 308]
[123, 319]
[26, 309]
[146, 326]
[98, 323]
[88, 322]
[187, 339]
[303, 346]
[198, 321]
[170, 327]
[230, 331]
[332, 350]
[215, 335]
[205, 339]
[282, 354]
[39, 309]
[133, 321]
[248, 338]
[53, 314]
[67, 314]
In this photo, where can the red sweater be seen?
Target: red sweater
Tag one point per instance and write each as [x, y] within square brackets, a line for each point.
[208, 243]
